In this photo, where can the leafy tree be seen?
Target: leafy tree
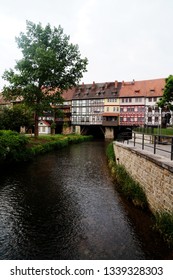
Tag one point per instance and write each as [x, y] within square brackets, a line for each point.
[166, 101]
[14, 118]
[50, 64]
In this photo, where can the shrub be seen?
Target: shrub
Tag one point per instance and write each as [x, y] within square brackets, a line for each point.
[164, 224]
[12, 145]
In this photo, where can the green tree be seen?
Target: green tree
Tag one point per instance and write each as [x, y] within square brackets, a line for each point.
[50, 64]
[14, 118]
[166, 101]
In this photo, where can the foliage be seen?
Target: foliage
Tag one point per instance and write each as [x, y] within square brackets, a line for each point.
[12, 145]
[164, 224]
[53, 125]
[14, 118]
[167, 98]
[126, 184]
[15, 147]
[130, 188]
[155, 131]
[110, 152]
[50, 64]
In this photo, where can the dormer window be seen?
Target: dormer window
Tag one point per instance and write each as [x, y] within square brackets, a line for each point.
[87, 92]
[137, 91]
[114, 92]
[152, 90]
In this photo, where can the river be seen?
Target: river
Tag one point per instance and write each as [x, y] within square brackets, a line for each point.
[64, 205]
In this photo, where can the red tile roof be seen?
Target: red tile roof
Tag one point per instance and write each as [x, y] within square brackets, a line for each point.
[95, 90]
[142, 88]
[68, 94]
[44, 122]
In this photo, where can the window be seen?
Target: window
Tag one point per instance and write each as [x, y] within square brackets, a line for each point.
[149, 119]
[138, 99]
[150, 99]
[140, 119]
[130, 109]
[112, 100]
[152, 90]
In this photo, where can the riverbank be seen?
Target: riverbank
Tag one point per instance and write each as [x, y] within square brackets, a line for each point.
[134, 192]
[15, 147]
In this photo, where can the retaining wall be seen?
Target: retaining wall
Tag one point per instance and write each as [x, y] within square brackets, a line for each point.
[153, 172]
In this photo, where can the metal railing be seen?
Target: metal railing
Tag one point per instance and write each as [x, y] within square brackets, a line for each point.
[157, 144]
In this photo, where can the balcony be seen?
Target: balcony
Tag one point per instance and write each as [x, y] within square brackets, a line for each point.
[110, 123]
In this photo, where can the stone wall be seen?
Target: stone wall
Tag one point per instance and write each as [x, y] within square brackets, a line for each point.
[153, 172]
[109, 133]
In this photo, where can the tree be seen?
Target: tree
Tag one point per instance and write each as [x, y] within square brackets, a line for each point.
[14, 118]
[166, 101]
[50, 64]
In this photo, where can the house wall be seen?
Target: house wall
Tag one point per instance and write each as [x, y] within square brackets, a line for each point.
[44, 130]
[112, 105]
[153, 173]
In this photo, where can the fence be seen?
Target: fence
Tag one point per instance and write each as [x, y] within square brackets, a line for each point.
[157, 144]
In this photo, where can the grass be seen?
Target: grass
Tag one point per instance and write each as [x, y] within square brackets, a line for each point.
[15, 147]
[134, 192]
[155, 131]
[126, 184]
[46, 143]
[164, 225]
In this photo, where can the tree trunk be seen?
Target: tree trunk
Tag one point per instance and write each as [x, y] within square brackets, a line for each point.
[36, 126]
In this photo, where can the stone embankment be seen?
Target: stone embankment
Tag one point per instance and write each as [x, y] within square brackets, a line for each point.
[154, 173]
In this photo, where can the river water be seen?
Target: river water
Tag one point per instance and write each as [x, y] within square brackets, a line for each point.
[64, 205]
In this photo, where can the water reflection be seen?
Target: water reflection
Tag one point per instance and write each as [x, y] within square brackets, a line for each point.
[65, 206]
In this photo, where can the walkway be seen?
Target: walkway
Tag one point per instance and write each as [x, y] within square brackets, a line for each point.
[163, 150]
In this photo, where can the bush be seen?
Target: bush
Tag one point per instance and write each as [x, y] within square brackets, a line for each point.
[12, 145]
[16, 147]
[164, 224]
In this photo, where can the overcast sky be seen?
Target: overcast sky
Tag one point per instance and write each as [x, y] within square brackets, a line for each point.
[122, 39]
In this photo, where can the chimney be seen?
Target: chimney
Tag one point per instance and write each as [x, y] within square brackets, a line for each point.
[93, 85]
[116, 84]
[123, 83]
[106, 85]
